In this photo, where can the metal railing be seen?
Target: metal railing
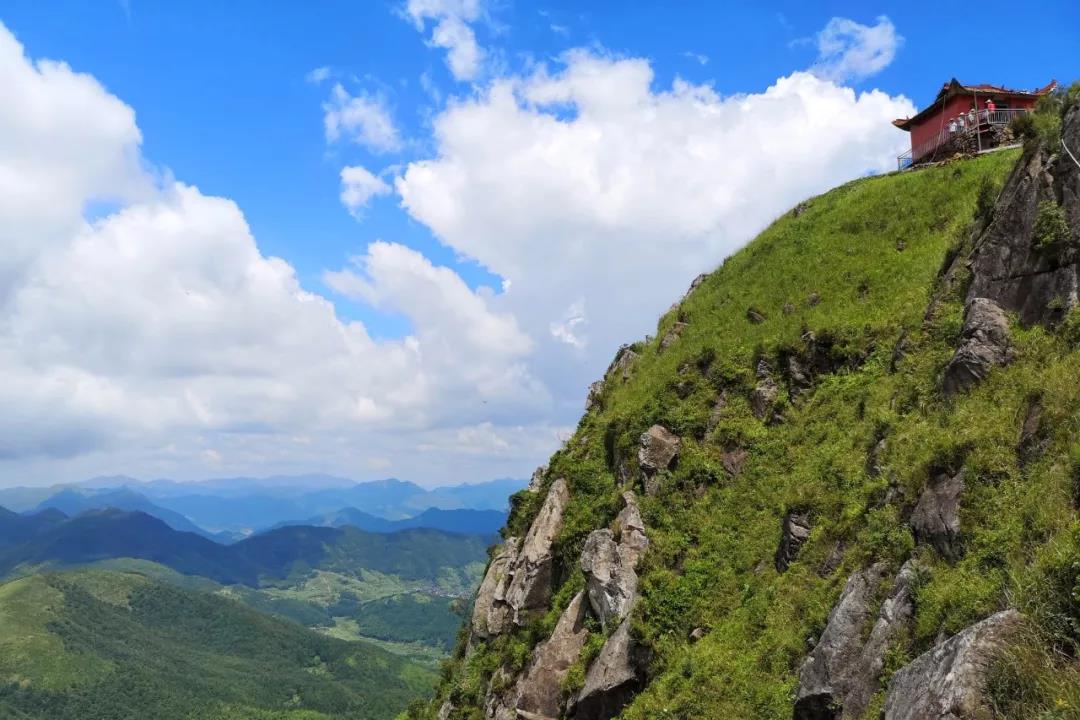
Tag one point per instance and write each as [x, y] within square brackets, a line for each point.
[965, 125]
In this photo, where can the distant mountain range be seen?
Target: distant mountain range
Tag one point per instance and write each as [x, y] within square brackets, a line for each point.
[72, 502]
[281, 554]
[465, 521]
[228, 508]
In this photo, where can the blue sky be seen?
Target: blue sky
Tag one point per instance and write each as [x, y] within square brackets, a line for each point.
[220, 93]
[224, 99]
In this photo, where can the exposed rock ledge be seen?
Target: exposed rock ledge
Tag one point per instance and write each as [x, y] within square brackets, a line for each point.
[948, 682]
[518, 580]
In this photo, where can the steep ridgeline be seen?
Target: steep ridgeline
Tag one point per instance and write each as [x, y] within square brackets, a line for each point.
[842, 482]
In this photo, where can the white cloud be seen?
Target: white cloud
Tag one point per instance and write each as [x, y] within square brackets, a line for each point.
[699, 58]
[566, 329]
[158, 339]
[452, 32]
[361, 119]
[318, 75]
[584, 182]
[359, 186]
[142, 330]
[849, 51]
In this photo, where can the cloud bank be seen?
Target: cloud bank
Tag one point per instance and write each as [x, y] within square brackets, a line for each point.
[142, 330]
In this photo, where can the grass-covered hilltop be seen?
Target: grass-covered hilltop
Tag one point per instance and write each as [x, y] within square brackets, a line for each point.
[842, 481]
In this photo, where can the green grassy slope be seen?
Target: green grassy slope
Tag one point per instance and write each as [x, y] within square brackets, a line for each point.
[90, 645]
[858, 267]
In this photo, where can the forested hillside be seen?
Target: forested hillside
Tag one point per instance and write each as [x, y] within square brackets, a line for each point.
[842, 481]
[95, 645]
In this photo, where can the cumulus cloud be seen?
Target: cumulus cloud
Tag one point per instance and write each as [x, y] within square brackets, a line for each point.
[451, 32]
[157, 337]
[633, 189]
[143, 330]
[362, 119]
[849, 51]
[359, 186]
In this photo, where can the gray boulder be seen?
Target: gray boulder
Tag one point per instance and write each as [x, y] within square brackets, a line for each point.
[610, 566]
[794, 531]
[529, 589]
[658, 449]
[611, 585]
[611, 681]
[948, 682]
[984, 344]
[936, 518]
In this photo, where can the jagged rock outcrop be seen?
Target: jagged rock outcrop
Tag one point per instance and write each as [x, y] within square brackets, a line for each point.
[895, 613]
[936, 517]
[672, 335]
[595, 396]
[610, 566]
[529, 589]
[611, 583]
[842, 674]
[694, 285]
[630, 530]
[1008, 265]
[537, 480]
[948, 682]
[539, 689]
[984, 344]
[611, 681]
[444, 710]
[765, 393]
[794, 531]
[658, 449]
[827, 674]
[490, 611]
[518, 579]
[798, 377]
[622, 364]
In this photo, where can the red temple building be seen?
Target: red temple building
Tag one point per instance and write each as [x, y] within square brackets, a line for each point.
[965, 117]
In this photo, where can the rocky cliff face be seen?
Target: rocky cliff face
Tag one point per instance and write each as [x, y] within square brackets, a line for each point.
[853, 500]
